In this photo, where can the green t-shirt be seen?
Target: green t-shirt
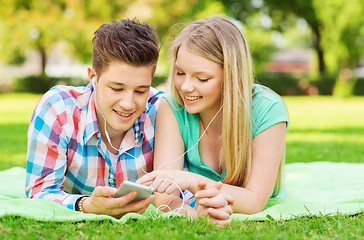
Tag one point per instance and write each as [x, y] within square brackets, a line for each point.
[268, 109]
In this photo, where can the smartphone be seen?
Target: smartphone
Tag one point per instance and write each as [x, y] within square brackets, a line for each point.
[127, 187]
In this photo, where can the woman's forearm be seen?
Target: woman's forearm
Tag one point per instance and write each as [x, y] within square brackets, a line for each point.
[246, 201]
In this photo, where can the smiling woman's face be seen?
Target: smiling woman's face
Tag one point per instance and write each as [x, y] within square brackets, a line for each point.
[198, 81]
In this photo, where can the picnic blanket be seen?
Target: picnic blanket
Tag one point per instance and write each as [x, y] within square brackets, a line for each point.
[311, 189]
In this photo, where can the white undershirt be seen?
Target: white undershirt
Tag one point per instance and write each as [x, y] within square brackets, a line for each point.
[114, 160]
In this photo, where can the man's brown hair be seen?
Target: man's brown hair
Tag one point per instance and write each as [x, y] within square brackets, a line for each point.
[126, 40]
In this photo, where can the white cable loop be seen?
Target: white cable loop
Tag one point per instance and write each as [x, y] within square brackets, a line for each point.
[177, 210]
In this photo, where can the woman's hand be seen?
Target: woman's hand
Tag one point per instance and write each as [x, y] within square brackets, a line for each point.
[213, 203]
[166, 181]
[102, 202]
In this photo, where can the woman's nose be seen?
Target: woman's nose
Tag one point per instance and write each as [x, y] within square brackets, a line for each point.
[187, 85]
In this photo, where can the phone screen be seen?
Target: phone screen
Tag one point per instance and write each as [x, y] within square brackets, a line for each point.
[127, 187]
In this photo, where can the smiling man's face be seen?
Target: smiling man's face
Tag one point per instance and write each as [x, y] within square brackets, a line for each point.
[121, 95]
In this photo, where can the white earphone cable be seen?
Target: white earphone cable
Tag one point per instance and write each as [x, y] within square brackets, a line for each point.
[208, 125]
[177, 210]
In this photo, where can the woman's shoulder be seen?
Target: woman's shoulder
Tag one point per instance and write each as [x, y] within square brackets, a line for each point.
[268, 108]
[176, 107]
[264, 95]
[183, 117]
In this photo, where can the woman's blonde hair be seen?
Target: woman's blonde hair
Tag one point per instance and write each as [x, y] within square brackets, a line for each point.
[220, 41]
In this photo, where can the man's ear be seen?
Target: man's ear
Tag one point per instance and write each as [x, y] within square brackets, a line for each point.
[91, 74]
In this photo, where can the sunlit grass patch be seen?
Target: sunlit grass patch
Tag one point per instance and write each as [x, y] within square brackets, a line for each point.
[321, 129]
[17, 107]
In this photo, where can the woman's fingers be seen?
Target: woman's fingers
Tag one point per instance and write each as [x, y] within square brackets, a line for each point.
[161, 186]
[202, 185]
[214, 195]
[149, 183]
[208, 193]
[214, 202]
[218, 185]
[229, 199]
[173, 189]
[221, 214]
[149, 177]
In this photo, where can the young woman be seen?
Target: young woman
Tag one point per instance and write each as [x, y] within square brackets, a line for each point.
[219, 123]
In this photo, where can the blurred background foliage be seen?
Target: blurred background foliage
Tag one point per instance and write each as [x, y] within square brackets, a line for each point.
[330, 32]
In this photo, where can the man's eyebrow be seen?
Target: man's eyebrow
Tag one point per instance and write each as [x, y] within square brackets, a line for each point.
[122, 84]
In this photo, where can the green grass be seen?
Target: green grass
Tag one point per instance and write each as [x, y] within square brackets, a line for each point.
[324, 227]
[325, 129]
[321, 129]
[15, 114]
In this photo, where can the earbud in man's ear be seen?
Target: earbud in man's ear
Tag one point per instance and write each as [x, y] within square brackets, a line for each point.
[93, 81]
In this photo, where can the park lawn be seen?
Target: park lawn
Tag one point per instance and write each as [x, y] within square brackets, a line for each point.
[325, 129]
[321, 129]
[15, 114]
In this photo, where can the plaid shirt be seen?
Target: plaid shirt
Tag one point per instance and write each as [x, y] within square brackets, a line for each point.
[67, 158]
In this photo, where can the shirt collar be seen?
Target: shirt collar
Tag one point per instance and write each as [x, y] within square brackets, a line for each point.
[92, 125]
[138, 127]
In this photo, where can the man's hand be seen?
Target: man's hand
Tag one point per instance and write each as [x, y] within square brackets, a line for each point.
[102, 202]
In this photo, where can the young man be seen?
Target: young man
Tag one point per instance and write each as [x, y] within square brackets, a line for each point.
[84, 141]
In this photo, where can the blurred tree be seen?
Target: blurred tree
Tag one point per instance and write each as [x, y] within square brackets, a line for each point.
[250, 17]
[83, 17]
[343, 39]
[337, 34]
[41, 24]
[283, 15]
[168, 17]
[259, 40]
[337, 28]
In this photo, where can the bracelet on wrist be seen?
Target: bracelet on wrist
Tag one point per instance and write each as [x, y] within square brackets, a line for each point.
[80, 204]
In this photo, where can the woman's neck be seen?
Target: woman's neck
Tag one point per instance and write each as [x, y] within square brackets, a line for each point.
[210, 144]
[212, 121]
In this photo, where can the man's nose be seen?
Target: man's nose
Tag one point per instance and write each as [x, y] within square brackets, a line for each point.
[127, 101]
